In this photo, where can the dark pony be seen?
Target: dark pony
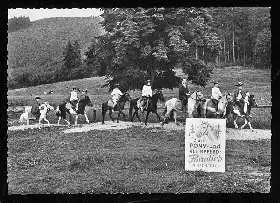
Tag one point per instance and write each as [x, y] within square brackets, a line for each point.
[81, 106]
[152, 106]
[235, 111]
[119, 107]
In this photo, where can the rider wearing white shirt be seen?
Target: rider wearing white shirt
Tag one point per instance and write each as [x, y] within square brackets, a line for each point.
[216, 95]
[74, 96]
[147, 93]
[116, 95]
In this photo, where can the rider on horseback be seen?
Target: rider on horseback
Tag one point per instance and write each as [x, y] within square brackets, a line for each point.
[74, 97]
[238, 97]
[216, 95]
[147, 94]
[116, 95]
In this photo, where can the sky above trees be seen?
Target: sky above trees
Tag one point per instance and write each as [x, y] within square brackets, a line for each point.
[36, 14]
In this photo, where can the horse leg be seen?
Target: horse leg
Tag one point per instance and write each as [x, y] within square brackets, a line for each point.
[157, 115]
[235, 124]
[104, 109]
[59, 118]
[250, 126]
[47, 121]
[86, 118]
[110, 114]
[76, 119]
[175, 117]
[123, 115]
[67, 122]
[245, 123]
[118, 116]
[137, 115]
[148, 112]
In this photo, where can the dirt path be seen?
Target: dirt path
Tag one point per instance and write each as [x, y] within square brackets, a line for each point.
[231, 134]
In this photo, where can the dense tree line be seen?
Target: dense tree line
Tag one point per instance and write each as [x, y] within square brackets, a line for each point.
[245, 34]
[142, 44]
[17, 23]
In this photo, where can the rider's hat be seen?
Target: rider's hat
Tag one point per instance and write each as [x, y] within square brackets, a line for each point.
[85, 90]
[74, 88]
[239, 84]
[37, 97]
[215, 82]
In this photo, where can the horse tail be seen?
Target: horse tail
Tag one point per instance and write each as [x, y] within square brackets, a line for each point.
[103, 110]
[131, 106]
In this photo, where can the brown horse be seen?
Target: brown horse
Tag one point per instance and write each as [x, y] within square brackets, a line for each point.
[119, 107]
[152, 106]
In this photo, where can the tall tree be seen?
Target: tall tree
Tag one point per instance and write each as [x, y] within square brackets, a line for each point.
[149, 43]
[72, 61]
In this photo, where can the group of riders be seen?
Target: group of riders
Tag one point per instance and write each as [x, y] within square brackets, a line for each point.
[147, 92]
[239, 96]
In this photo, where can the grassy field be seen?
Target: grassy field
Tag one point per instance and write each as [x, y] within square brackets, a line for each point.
[135, 159]
[256, 81]
[127, 161]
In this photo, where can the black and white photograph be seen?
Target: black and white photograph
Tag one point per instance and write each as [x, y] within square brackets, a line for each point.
[139, 100]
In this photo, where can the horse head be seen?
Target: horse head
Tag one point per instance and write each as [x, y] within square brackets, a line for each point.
[252, 101]
[197, 96]
[223, 104]
[159, 95]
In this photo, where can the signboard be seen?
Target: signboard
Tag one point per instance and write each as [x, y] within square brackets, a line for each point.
[205, 144]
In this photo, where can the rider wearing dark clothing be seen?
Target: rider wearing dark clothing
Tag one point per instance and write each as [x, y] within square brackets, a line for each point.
[35, 107]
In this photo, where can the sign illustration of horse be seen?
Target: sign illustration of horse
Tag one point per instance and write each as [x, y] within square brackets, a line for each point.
[119, 107]
[174, 105]
[151, 107]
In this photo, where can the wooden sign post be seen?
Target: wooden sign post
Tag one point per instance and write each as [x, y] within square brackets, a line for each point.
[205, 144]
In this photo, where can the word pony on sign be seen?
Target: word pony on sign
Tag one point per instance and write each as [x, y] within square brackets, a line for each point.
[205, 144]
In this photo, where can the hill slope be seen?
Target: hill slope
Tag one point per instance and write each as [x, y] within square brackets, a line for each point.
[41, 45]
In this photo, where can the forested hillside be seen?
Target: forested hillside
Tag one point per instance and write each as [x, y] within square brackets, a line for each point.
[38, 50]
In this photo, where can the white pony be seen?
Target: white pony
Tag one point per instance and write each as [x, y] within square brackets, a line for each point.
[174, 105]
[44, 108]
[25, 116]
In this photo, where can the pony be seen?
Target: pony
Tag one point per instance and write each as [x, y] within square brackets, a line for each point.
[151, 107]
[44, 108]
[25, 116]
[208, 108]
[64, 108]
[81, 106]
[119, 107]
[235, 111]
[174, 105]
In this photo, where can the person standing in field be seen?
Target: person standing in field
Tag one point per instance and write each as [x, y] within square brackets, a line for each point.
[116, 95]
[216, 95]
[35, 107]
[147, 94]
[184, 94]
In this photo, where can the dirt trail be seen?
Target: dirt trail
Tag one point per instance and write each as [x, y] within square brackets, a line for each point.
[231, 134]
